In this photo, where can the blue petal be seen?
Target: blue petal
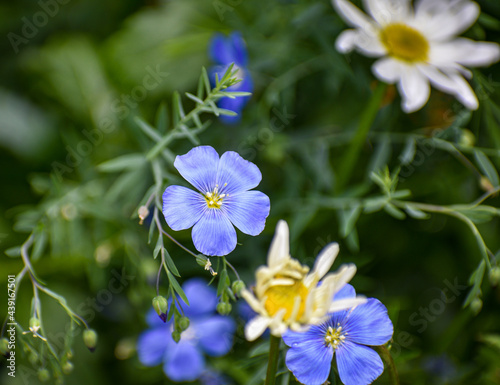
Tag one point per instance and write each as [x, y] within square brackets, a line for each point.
[220, 50]
[214, 234]
[239, 48]
[226, 50]
[216, 334]
[358, 364]
[182, 207]
[202, 298]
[369, 324]
[248, 211]
[236, 174]
[152, 345]
[309, 358]
[184, 362]
[199, 167]
[347, 291]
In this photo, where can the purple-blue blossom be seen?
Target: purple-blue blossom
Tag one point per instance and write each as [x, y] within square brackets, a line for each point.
[346, 335]
[225, 50]
[223, 199]
[208, 334]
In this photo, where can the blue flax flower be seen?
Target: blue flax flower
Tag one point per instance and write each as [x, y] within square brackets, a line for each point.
[208, 333]
[346, 334]
[223, 199]
[224, 51]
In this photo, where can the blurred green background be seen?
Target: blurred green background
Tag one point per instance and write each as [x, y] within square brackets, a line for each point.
[78, 66]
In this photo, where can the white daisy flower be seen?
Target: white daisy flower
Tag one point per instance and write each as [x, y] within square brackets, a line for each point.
[287, 295]
[418, 47]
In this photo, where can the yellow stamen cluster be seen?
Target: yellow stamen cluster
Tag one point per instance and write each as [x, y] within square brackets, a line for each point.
[405, 43]
[335, 337]
[214, 199]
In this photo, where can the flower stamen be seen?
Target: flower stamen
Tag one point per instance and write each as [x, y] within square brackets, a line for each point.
[335, 337]
[405, 43]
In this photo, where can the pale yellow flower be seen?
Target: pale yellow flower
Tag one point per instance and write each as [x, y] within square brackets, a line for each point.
[287, 295]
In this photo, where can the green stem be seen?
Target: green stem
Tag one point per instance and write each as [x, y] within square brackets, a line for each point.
[272, 366]
[367, 118]
[390, 367]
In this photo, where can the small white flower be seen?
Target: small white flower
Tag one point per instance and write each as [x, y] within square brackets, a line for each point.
[418, 47]
[287, 295]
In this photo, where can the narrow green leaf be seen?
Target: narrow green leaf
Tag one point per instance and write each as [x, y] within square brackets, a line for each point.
[487, 168]
[194, 98]
[393, 211]
[177, 287]
[348, 219]
[197, 121]
[475, 279]
[408, 153]
[223, 111]
[158, 247]
[222, 282]
[206, 80]
[152, 228]
[200, 92]
[13, 251]
[413, 212]
[171, 264]
[121, 163]
[162, 118]
[39, 245]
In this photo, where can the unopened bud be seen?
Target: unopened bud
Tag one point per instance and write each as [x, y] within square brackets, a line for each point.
[160, 304]
[89, 339]
[476, 305]
[34, 324]
[467, 138]
[4, 347]
[201, 260]
[43, 375]
[143, 213]
[33, 358]
[495, 276]
[183, 323]
[176, 336]
[67, 367]
[237, 286]
[486, 184]
[224, 308]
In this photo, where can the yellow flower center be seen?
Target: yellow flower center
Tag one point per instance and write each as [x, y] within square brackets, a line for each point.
[405, 43]
[335, 337]
[214, 199]
[284, 297]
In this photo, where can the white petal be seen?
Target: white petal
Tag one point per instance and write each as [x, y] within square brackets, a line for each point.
[441, 20]
[368, 44]
[252, 301]
[346, 303]
[387, 70]
[452, 83]
[388, 11]
[280, 246]
[325, 260]
[465, 52]
[342, 276]
[353, 15]
[414, 89]
[256, 327]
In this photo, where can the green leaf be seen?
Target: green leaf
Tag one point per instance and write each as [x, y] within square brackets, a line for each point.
[177, 287]
[223, 111]
[491, 339]
[39, 245]
[159, 246]
[177, 109]
[475, 279]
[152, 228]
[487, 167]
[348, 219]
[478, 214]
[13, 251]
[171, 264]
[223, 282]
[194, 98]
[413, 212]
[409, 151]
[162, 118]
[121, 163]
[393, 211]
[206, 80]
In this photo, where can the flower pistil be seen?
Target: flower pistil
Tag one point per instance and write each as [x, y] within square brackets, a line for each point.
[335, 337]
[404, 43]
[214, 199]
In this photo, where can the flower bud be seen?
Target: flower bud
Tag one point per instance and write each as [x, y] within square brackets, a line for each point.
[201, 260]
[237, 286]
[33, 358]
[486, 184]
[495, 276]
[143, 213]
[161, 306]
[89, 339]
[183, 323]
[34, 324]
[476, 305]
[43, 375]
[224, 308]
[176, 336]
[4, 347]
[67, 367]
